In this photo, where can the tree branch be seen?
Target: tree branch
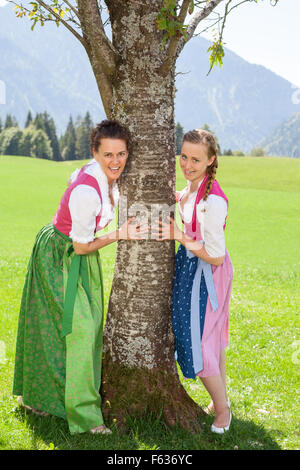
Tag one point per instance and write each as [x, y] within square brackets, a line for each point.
[94, 33]
[220, 18]
[103, 57]
[171, 51]
[103, 82]
[97, 45]
[61, 20]
[183, 10]
[197, 18]
[71, 7]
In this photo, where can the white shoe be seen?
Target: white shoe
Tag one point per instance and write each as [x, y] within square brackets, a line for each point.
[217, 430]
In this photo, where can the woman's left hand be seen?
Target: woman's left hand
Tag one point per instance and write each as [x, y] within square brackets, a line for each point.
[166, 231]
[132, 230]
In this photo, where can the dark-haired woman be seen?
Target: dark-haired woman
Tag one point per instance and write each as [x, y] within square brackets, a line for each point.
[203, 278]
[59, 342]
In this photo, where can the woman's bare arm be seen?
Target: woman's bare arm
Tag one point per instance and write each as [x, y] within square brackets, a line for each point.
[100, 242]
[198, 249]
[171, 231]
[128, 231]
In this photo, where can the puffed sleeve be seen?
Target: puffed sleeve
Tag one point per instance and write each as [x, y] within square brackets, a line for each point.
[73, 176]
[84, 206]
[213, 221]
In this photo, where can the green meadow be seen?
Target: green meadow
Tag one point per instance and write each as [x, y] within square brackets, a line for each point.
[263, 358]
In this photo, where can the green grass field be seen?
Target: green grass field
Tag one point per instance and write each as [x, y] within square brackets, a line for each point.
[262, 236]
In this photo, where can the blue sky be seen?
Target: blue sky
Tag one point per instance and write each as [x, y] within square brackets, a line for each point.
[265, 35]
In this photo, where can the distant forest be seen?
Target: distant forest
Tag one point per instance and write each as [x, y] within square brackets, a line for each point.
[38, 138]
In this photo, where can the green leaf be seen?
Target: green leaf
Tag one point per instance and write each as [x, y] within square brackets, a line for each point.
[191, 7]
[164, 39]
[170, 4]
[34, 23]
[217, 54]
[161, 22]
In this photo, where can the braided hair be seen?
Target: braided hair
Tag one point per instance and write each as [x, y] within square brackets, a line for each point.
[201, 136]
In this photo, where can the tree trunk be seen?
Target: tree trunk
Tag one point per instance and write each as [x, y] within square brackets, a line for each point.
[139, 369]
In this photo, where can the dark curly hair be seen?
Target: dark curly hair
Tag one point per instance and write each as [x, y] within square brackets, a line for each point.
[109, 129]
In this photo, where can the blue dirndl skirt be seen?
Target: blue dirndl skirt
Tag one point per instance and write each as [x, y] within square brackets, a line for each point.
[184, 332]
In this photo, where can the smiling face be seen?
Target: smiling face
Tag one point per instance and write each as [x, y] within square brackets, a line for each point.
[112, 155]
[194, 161]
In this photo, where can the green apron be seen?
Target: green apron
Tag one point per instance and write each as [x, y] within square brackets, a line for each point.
[59, 341]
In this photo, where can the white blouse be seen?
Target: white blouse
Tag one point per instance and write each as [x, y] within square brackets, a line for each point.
[211, 220]
[85, 204]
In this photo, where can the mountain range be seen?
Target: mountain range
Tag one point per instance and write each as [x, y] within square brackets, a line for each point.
[47, 69]
[285, 140]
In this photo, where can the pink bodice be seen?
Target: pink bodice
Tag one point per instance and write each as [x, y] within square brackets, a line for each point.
[193, 228]
[62, 219]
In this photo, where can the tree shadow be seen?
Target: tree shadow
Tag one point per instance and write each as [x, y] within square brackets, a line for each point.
[243, 435]
[148, 434]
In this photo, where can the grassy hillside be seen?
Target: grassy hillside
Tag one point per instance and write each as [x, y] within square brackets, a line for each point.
[262, 236]
[264, 195]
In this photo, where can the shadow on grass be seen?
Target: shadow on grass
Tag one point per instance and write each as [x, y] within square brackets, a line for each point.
[148, 434]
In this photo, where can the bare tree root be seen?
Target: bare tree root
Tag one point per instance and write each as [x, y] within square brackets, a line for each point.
[139, 392]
